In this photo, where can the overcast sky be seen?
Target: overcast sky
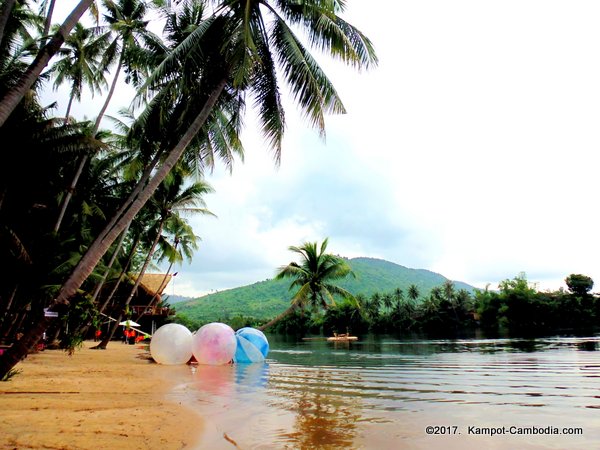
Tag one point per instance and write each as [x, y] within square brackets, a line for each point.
[471, 150]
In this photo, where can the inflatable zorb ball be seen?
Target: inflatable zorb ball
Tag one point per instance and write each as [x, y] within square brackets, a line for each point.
[252, 346]
[171, 344]
[214, 344]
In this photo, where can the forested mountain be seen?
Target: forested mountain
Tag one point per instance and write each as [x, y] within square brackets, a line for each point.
[172, 299]
[268, 298]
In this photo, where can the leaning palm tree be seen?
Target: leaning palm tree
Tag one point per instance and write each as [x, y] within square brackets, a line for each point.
[128, 28]
[181, 244]
[241, 48]
[5, 13]
[172, 196]
[127, 24]
[19, 89]
[229, 26]
[313, 278]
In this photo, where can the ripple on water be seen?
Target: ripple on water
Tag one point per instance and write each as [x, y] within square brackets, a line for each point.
[315, 396]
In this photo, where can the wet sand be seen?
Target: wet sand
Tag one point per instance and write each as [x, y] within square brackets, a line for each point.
[114, 398]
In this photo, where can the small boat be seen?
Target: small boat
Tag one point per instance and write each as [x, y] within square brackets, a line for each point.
[342, 337]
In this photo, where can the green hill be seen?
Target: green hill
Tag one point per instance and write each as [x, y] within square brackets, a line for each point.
[266, 299]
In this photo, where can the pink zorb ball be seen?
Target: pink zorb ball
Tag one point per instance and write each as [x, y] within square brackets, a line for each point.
[214, 344]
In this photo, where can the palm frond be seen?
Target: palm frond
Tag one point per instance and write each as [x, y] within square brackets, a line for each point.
[311, 89]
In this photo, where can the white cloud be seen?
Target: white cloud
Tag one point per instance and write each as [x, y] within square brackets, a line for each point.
[472, 150]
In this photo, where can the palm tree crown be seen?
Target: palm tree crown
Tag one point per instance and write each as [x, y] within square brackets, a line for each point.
[314, 275]
[79, 64]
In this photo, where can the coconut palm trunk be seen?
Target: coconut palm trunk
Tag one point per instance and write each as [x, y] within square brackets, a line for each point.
[48, 20]
[110, 264]
[138, 280]
[5, 12]
[84, 159]
[83, 329]
[113, 291]
[13, 97]
[20, 348]
[121, 277]
[110, 94]
[279, 318]
[96, 251]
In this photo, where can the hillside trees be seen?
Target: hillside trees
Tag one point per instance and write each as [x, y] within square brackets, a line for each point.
[313, 279]
[193, 102]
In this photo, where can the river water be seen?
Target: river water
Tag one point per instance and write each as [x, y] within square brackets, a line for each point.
[384, 392]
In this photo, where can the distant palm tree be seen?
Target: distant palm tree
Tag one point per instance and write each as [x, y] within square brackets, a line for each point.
[182, 244]
[376, 301]
[413, 292]
[387, 300]
[79, 64]
[313, 277]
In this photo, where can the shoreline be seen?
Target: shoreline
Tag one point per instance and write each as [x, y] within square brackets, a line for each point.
[113, 398]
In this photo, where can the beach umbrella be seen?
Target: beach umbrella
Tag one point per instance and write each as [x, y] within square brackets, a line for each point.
[129, 323]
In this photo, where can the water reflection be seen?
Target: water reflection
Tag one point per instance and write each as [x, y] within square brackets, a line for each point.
[322, 418]
[215, 380]
[225, 379]
[251, 375]
[587, 346]
[319, 395]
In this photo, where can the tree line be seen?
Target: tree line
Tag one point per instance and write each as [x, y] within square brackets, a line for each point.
[80, 204]
[515, 308]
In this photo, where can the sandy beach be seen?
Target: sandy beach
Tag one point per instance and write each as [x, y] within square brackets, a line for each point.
[95, 399]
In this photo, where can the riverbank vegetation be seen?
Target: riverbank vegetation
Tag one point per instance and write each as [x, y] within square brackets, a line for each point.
[515, 308]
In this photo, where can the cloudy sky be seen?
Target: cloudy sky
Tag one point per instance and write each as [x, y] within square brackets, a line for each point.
[471, 150]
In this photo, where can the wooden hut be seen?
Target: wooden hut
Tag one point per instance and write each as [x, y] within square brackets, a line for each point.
[147, 305]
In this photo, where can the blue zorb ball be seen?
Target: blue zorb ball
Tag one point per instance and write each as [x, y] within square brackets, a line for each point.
[252, 346]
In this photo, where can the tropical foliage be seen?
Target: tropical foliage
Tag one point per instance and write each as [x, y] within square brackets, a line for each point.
[82, 208]
[313, 279]
[268, 298]
[515, 309]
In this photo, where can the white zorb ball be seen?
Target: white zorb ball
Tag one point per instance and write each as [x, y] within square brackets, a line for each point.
[171, 344]
[214, 344]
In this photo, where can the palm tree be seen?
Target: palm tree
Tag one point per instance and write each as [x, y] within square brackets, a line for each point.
[126, 21]
[413, 292]
[128, 25]
[80, 63]
[15, 94]
[398, 296]
[387, 300]
[236, 51]
[17, 21]
[313, 278]
[182, 245]
[5, 13]
[172, 196]
[18, 45]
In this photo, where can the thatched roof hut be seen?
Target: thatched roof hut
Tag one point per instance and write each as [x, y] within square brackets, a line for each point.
[153, 283]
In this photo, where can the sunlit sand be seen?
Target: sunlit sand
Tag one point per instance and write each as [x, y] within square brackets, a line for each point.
[95, 399]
